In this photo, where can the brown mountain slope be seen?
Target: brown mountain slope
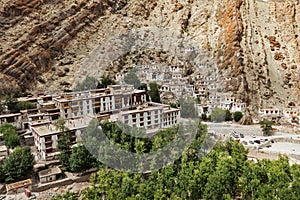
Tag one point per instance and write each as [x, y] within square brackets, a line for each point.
[43, 43]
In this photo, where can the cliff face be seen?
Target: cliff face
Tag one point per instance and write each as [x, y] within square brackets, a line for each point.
[255, 42]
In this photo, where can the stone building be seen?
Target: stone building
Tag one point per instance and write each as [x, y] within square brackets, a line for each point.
[150, 116]
[46, 135]
[49, 175]
[15, 119]
[99, 101]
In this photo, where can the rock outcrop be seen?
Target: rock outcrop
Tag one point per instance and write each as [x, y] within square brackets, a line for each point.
[255, 42]
[43, 39]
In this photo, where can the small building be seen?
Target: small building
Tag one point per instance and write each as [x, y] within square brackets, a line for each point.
[46, 135]
[15, 119]
[270, 111]
[18, 187]
[226, 105]
[49, 175]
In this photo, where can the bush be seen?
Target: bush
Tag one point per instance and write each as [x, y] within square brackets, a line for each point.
[132, 79]
[187, 108]
[10, 136]
[88, 83]
[266, 126]
[154, 93]
[203, 116]
[24, 105]
[237, 116]
[105, 81]
[18, 164]
[218, 115]
[228, 116]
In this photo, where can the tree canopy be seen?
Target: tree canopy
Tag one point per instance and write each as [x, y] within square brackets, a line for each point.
[81, 159]
[154, 92]
[132, 79]
[224, 173]
[237, 116]
[88, 83]
[218, 115]
[266, 126]
[18, 164]
[24, 105]
[10, 135]
[105, 81]
[188, 107]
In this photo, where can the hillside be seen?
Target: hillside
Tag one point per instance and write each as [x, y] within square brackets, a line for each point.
[43, 43]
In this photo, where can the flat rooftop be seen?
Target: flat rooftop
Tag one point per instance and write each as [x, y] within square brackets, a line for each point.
[50, 129]
[10, 115]
[49, 172]
[19, 184]
[88, 94]
[150, 107]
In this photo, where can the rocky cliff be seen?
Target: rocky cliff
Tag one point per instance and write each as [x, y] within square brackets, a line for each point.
[254, 42]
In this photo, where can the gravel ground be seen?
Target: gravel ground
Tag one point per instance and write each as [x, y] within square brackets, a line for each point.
[48, 194]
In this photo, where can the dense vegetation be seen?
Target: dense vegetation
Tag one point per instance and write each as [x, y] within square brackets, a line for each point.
[218, 115]
[237, 116]
[76, 159]
[10, 135]
[224, 173]
[132, 79]
[10, 102]
[17, 165]
[154, 92]
[90, 83]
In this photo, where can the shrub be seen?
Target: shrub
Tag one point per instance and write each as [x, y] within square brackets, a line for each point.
[237, 116]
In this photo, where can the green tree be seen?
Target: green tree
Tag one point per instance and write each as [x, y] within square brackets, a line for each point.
[24, 105]
[132, 79]
[228, 116]
[7, 127]
[12, 140]
[105, 81]
[60, 125]
[187, 108]
[218, 115]
[223, 181]
[64, 146]
[268, 180]
[81, 159]
[143, 86]
[9, 102]
[64, 143]
[88, 83]
[10, 135]
[18, 164]
[203, 116]
[266, 126]
[154, 92]
[237, 116]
